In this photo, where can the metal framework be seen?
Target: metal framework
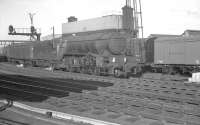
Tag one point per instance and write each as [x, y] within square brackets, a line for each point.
[137, 14]
[27, 32]
[32, 31]
[138, 17]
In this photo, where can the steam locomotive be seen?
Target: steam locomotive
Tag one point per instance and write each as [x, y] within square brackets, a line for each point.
[102, 53]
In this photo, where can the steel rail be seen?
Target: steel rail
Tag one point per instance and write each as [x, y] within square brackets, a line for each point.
[25, 92]
[62, 88]
[34, 86]
[44, 81]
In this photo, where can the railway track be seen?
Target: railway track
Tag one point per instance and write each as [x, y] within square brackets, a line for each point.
[37, 89]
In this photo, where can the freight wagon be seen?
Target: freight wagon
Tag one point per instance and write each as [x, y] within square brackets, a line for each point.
[174, 54]
[32, 53]
[3, 57]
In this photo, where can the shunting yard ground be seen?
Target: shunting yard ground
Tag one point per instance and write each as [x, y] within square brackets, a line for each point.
[124, 101]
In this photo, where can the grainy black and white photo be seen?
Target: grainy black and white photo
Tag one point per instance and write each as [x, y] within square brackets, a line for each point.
[99, 62]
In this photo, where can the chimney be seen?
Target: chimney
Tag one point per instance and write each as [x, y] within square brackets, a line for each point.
[72, 19]
[127, 18]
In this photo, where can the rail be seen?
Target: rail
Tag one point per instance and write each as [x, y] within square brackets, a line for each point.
[60, 115]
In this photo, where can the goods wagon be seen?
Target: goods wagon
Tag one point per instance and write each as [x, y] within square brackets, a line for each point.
[3, 57]
[35, 53]
[179, 50]
[174, 54]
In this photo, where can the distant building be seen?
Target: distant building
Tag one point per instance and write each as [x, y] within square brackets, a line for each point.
[94, 24]
[191, 33]
[187, 33]
[110, 22]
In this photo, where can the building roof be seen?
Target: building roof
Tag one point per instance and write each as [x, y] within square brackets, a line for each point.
[191, 33]
[179, 39]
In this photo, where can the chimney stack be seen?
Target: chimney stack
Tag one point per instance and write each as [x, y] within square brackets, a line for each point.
[127, 17]
[72, 19]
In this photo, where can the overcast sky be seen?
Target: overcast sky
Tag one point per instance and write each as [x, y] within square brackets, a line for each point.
[159, 16]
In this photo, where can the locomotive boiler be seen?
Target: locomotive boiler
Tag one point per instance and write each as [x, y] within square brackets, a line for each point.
[104, 52]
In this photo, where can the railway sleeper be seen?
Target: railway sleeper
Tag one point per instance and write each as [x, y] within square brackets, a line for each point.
[189, 101]
[115, 109]
[192, 123]
[157, 123]
[191, 111]
[164, 98]
[98, 106]
[174, 99]
[148, 115]
[174, 120]
[98, 112]
[148, 95]
[172, 112]
[83, 109]
[153, 111]
[153, 108]
[137, 104]
[131, 112]
[132, 119]
[192, 120]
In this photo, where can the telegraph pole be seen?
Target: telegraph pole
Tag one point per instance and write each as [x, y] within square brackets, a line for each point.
[53, 37]
[137, 11]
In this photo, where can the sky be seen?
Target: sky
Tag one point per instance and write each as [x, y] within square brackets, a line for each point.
[159, 16]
